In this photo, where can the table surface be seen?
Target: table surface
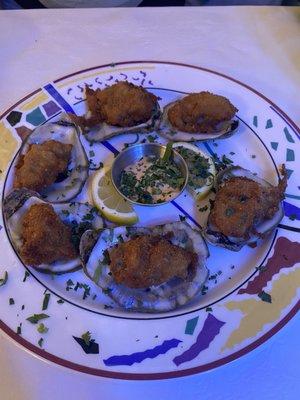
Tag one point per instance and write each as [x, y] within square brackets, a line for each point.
[257, 45]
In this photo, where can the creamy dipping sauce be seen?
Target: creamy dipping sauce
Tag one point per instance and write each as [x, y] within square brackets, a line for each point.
[151, 181]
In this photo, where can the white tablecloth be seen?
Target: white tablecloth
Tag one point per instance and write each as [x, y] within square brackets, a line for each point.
[257, 45]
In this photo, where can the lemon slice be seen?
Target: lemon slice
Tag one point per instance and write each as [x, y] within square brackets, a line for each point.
[109, 202]
[199, 187]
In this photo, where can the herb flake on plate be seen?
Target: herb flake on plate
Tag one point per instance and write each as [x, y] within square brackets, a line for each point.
[35, 318]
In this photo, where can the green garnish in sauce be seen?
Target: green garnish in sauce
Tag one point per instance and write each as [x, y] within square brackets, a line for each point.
[152, 180]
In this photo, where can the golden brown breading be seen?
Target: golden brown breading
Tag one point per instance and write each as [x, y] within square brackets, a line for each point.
[150, 260]
[241, 204]
[201, 113]
[45, 237]
[41, 165]
[122, 104]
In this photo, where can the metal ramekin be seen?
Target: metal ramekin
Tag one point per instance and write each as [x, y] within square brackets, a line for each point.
[133, 154]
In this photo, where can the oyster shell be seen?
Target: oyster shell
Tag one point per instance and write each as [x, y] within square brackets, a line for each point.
[104, 131]
[19, 201]
[165, 129]
[213, 236]
[70, 185]
[164, 297]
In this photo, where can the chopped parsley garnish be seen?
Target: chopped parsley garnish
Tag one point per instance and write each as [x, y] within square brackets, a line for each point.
[35, 318]
[182, 218]
[60, 301]
[46, 301]
[86, 289]
[198, 167]
[151, 138]
[70, 283]
[19, 329]
[23, 306]
[40, 342]
[208, 309]
[106, 290]
[226, 160]
[42, 328]
[91, 153]
[86, 337]
[204, 208]
[26, 275]
[106, 258]
[293, 217]
[265, 297]
[4, 279]
[11, 301]
[152, 177]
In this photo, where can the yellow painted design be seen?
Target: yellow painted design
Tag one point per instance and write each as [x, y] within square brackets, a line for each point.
[104, 71]
[8, 146]
[34, 102]
[258, 313]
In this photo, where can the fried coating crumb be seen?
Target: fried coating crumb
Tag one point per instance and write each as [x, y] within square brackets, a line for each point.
[150, 260]
[42, 164]
[122, 104]
[241, 204]
[202, 112]
[45, 237]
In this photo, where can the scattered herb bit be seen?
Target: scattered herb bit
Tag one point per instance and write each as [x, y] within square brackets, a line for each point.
[120, 239]
[292, 217]
[202, 209]
[19, 329]
[35, 318]
[60, 301]
[151, 138]
[253, 156]
[232, 153]
[265, 297]
[156, 336]
[182, 218]
[42, 328]
[23, 306]
[66, 212]
[106, 258]
[204, 290]
[226, 160]
[86, 289]
[70, 283]
[86, 337]
[4, 279]
[11, 301]
[40, 342]
[91, 153]
[106, 307]
[46, 301]
[208, 309]
[232, 267]
[106, 290]
[229, 212]
[94, 297]
[26, 275]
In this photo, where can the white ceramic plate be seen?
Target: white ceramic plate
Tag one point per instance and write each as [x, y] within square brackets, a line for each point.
[233, 317]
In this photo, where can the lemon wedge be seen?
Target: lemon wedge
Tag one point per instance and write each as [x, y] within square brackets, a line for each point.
[109, 202]
[198, 167]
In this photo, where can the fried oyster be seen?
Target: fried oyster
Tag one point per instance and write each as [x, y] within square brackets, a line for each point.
[150, 261]
[121, 105]
[149, 269]
[46, 238]
[198, 116]
[52, 162]
[42, 164]
[245, 209]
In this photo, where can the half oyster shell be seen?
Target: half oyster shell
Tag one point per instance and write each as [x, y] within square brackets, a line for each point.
[166, 129]
[71, 184]
[80, 216]
[105, 131]
[167, 296]
[213, 236]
